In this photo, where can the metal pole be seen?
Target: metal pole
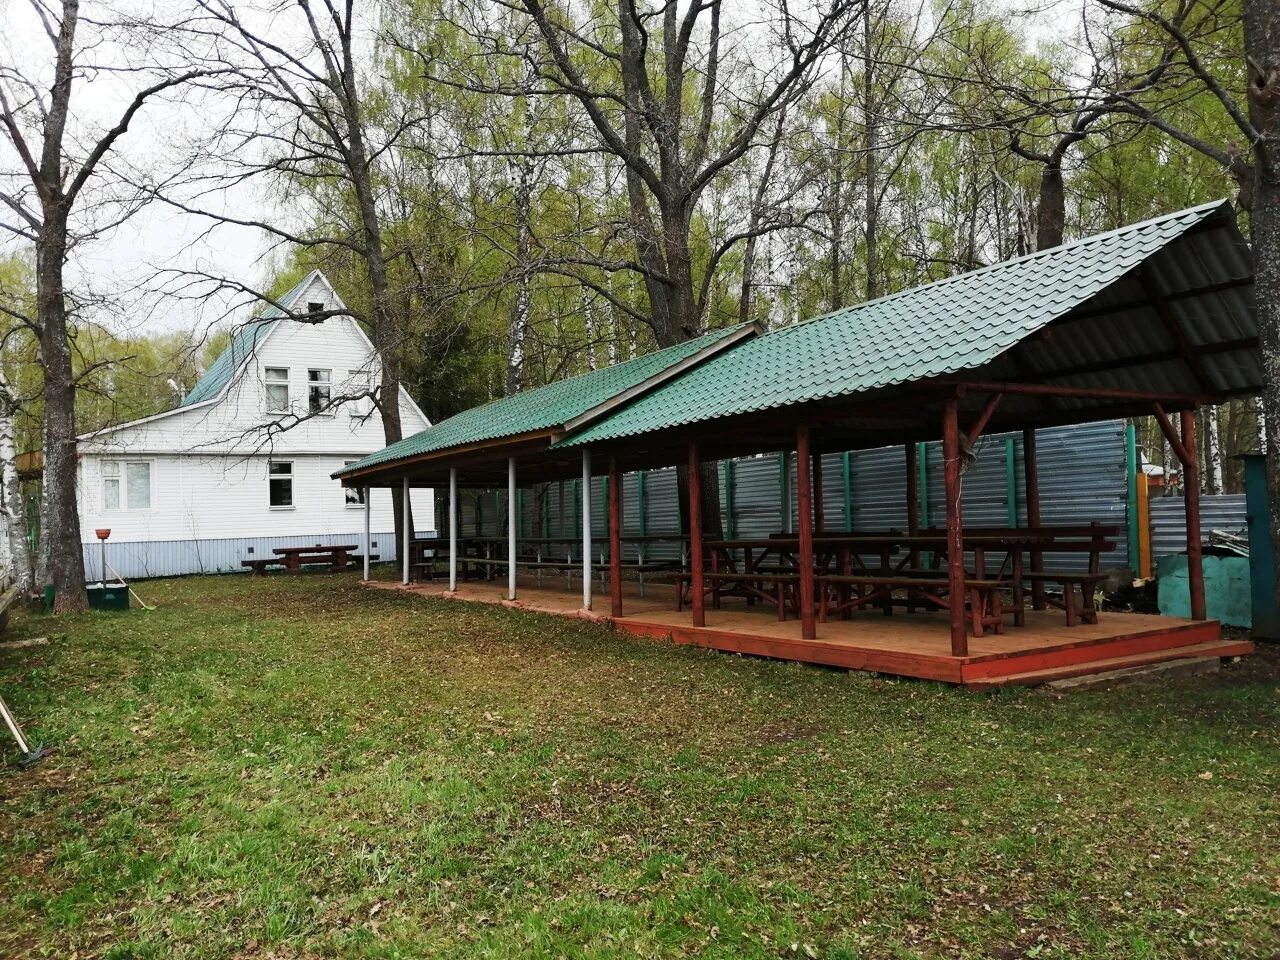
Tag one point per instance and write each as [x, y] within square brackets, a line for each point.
[404, 517]
[368, 541]
[586, 529]
[453, 529]
[512, 520]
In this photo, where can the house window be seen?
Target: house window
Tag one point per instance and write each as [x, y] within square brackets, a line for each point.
[318, 393]
[277, 389]
[358, 381]
[129, 489]
[110, 485]
[314, 308]
[280, 483]
[354, 495]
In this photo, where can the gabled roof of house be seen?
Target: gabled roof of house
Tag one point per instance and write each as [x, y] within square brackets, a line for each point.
[244, 341]
[972, 319]
[556, 406]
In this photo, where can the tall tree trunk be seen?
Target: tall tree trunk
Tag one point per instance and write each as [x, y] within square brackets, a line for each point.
[384, 330]
[17, 546]
[1051, 211]
[61, 555]
[1262, 52]
[518, 328]
[1212, 451]
[871, 229]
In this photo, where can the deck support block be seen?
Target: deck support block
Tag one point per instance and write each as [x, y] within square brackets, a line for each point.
[697, 599]
[804, 498]
[955, 532]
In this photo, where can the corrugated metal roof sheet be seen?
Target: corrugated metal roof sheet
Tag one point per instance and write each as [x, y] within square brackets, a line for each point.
[244, 341]
[543, 408]
[955, 324]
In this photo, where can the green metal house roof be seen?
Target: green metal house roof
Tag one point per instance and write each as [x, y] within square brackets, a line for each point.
[954, 324]
[244, 341]
[542, 408]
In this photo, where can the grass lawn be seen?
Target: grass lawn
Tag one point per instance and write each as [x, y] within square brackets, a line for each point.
[300, 767]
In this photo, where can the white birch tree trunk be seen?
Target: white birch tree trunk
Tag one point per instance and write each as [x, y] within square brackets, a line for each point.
[1213, 451]
[16, 548]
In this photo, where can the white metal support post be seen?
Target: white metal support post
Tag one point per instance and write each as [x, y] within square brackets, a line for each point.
[367, 539]
[453, 529]
[404, 547]
[512, 526]
[586, 529]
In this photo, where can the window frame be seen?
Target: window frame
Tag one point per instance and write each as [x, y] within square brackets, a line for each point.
[124, 502]
[327, 410]
[272, 478]
[358, 503]
[362, 407]
[268, 383]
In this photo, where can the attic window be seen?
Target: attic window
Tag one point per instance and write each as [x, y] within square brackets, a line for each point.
[318, 395]
[315, 308]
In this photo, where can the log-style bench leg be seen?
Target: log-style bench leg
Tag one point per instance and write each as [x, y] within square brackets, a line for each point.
[1088, 612]
[1069, 603]
[1019, 592]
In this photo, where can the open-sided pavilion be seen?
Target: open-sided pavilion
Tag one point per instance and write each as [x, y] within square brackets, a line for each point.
[1152, 319]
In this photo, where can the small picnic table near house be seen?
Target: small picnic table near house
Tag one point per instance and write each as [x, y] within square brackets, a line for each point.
[337, 557]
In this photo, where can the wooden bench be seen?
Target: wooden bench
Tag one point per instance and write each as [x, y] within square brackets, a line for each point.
[983, 596]
[1087, 583]
[258, 566]
[751, 584]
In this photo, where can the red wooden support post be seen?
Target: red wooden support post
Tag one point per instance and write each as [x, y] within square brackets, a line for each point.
[804, 501]
[817, 493]
[1031, 483]
[615, 538]
[1191, 498]
[955, 533]
[698, 598]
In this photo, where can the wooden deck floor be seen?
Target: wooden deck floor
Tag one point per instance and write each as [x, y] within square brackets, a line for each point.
[913, 645]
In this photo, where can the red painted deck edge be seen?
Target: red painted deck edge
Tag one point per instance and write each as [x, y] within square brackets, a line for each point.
[1223, 649]
[1102, 648]
[982, 672]
[946, 669]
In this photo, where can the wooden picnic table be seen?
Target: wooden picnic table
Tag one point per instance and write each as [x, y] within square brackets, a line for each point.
[336, 555]
[773, 563]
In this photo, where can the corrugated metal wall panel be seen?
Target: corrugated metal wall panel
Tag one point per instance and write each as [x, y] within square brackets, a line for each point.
[1169, 520]
[1082, 479]
[757, 496]
[173, 558]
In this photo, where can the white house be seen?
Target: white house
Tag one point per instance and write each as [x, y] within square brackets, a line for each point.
[216, 480]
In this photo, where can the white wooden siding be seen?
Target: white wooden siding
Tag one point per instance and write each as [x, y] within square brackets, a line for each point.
[209, 461]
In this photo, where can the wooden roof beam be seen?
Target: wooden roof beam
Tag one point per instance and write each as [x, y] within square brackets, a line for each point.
[1176, 333]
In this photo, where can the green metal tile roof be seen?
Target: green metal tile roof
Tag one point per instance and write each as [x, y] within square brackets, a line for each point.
[244, 340]
[542, 408]
[942, 328]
